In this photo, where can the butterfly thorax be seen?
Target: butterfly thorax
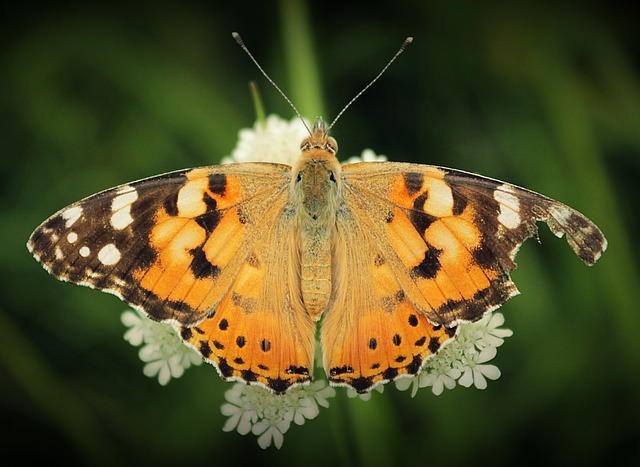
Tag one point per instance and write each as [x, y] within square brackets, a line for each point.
[316, 197]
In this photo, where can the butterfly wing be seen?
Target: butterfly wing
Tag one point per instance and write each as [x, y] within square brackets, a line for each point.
[450, 237]
[420, 249]
[372, 333]
[259, 333]
[205, 249]
[169, 245]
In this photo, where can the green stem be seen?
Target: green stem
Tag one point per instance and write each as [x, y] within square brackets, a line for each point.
[305, 89]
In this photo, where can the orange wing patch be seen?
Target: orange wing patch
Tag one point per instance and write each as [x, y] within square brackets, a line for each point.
[448, 271]
[257, 333]
[194, 239]
[451, 236]
[375, 335]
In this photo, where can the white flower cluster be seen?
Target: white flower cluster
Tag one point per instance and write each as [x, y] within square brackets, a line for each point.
[274, 140]
[463, 359]
[268, 416]
[162, 350]
[252, 409]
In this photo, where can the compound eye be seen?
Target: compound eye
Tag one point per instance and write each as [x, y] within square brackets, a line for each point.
[331, 145]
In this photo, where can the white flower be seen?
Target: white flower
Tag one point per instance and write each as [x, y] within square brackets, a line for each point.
[365, 396]
[367, 156]
[463, 359]
[267, 415]
[275, 140]
[475, 372]
[161, 348]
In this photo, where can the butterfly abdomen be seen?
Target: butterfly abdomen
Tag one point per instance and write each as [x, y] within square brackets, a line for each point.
[315, 269]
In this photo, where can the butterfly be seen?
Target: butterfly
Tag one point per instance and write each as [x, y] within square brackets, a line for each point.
[245, 259]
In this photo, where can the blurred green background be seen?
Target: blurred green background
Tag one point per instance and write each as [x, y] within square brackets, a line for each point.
[543, 96]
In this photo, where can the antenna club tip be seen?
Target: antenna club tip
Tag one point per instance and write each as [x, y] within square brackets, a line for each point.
[407, 42]
[237, 37]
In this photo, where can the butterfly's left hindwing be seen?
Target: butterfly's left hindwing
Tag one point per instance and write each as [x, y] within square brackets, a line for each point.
[169, 245]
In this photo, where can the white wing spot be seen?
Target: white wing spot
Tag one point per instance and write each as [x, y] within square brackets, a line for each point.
[121, 207]
[126, 195]
[509, 207]
[59, 254]
[122, 218]
[71, 215]
[72, 237]
[109, 255]
[84, 251]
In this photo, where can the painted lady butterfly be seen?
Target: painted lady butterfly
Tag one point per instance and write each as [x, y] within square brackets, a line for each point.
[244, 259]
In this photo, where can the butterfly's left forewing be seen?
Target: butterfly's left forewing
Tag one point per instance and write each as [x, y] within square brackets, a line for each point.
[169, 245]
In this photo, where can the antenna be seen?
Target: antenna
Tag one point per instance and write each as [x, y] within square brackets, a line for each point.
[402, 48]
[240, 42]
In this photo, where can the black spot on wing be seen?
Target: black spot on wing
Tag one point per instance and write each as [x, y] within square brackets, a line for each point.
[265, 345]
[413, 181]
[361, 384]
[430, 264]
[242, 215]
[209, 220]
[225, 370]
[145, 257]
[415, 365]
[420, 220]
[418, 203]
[210, 202]
[200, 265]
[278, 385]
[390, 373]
[55, 224]
[218, 184]
[459, 202]
[434, 344]
[297, 370]
[389, 217]
[337, 371]
[249, 375]
[171, 204]
[205, 349]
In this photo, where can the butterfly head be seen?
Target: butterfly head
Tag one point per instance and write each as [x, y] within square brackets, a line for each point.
[316, 177]
[319, 141]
